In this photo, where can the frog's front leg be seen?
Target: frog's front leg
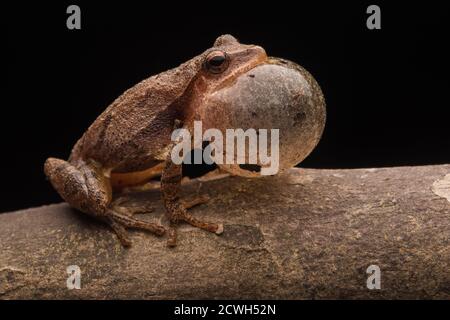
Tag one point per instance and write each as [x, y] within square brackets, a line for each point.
[175, 207]
[85, 187]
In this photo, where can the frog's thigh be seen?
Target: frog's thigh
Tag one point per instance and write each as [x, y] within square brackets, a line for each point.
[129, 179]
[83, 187]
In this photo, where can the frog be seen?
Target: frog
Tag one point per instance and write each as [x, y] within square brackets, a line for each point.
[131, 140]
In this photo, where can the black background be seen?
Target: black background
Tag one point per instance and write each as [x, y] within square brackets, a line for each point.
[287, 309]
[386, 90]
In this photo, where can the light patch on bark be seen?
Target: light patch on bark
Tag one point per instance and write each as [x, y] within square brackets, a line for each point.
[442, 187]
[302, 179]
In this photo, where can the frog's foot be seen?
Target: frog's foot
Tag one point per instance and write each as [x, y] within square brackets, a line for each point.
[123, 205]
[129, 207]
[195, 201]
[178, 212]
[140, 210]
[119, 222]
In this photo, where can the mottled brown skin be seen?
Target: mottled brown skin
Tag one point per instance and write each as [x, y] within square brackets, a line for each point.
[130, 141]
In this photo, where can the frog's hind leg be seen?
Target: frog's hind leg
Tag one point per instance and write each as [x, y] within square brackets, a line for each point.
[85, 187]
[82, 186]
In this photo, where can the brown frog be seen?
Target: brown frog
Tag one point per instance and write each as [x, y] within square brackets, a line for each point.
[130, 142]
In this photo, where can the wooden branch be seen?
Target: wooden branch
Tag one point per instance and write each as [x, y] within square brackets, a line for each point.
[304, 234]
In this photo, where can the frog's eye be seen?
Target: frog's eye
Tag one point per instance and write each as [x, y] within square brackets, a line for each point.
[216, 61]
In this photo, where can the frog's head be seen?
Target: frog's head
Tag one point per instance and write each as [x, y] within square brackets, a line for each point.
[227, 60]
[242, 89]
[259, 94]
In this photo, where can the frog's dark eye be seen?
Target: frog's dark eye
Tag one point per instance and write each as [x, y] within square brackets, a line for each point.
[216, 61]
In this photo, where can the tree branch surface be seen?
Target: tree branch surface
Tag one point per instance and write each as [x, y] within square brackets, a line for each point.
[305, 234]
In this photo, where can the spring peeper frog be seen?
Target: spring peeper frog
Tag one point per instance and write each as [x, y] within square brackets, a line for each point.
[130, 142]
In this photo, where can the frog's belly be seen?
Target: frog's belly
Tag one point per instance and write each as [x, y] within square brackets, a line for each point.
[137, 171]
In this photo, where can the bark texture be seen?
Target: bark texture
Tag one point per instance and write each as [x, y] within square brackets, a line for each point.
[304, 234]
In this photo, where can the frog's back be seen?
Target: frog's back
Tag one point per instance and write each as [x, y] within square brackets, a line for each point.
[135, 130]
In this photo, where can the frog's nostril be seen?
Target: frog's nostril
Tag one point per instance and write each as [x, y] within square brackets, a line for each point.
[250, 167]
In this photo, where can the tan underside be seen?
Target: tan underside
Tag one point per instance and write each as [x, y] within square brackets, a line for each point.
[129, 179]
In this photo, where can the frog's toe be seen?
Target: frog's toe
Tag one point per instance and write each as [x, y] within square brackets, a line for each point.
[195, 201]
[219, 228]
[130, 209]
[121, 232]
[126, 221]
